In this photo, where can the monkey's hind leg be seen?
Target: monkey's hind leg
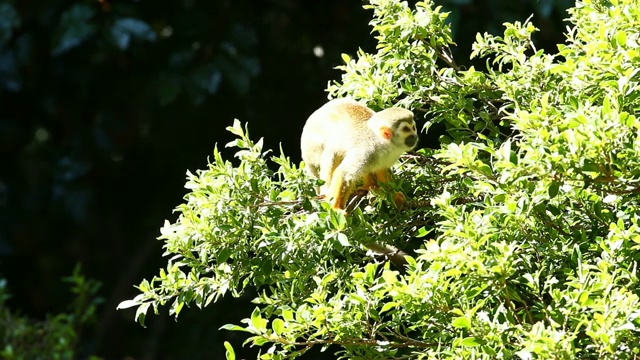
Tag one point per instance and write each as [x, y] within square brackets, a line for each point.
[369, 182]
[328, 163]
[340, 190]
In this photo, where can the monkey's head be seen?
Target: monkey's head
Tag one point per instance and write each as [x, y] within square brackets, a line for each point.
[397, 126]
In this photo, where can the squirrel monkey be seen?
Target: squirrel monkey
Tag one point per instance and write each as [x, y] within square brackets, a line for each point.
[344, 142]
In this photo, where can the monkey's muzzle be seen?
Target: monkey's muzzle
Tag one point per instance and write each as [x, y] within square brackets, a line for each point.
[411, 141]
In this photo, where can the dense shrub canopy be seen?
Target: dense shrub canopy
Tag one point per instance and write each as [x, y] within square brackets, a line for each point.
[522, 226]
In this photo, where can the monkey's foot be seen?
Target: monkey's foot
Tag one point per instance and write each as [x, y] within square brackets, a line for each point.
[399, 199]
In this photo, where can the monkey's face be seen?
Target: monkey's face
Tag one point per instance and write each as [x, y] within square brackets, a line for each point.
[397, 127]
[406, 134]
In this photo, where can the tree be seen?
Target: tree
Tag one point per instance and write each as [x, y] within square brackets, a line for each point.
[522, 225]
[57, 336]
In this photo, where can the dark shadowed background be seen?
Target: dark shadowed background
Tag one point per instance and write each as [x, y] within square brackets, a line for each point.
[105, 105]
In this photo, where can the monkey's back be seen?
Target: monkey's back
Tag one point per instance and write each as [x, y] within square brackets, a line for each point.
[332, 126]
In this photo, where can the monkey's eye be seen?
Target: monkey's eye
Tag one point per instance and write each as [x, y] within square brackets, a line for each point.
[406, 129]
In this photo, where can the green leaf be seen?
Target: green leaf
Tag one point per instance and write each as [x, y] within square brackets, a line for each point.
[127, 304]
[75, 28]
[554, 187]
[232, 327]
[257, 321]
[207, 77]
[338, 220]
[287, 315]
[422, 232]
[125, 29]
[388, 306]
[484, 168]
[141, 313]
[277, 326]
[257, 340]
[236, 129]
[461, 323]
[230, 354]
[176, 308]
[470, 342]
[343, 239]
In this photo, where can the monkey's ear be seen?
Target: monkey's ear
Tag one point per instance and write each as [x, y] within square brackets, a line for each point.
[385, 132]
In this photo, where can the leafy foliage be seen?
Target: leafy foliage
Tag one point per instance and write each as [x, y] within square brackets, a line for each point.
[523, 226]
[55, 337]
